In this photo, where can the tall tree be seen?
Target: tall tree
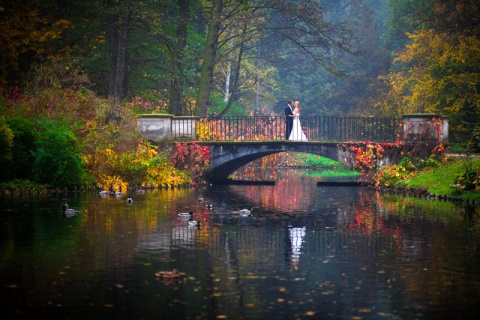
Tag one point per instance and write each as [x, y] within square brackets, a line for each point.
[209, 56]
[175, 105]
[119, 43]
[28, 28]
[439, 71]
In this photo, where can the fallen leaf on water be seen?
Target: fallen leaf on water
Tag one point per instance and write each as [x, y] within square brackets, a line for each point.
[250, 305]
[222, 316]
[310, 313]
[280, 300]
[282, 289]
[11, 286]
[119, 285]
[365, 310]
[109, 305]
[384, 314]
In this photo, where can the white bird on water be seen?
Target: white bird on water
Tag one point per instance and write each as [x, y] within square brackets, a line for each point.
[245, 212]
[193, 223]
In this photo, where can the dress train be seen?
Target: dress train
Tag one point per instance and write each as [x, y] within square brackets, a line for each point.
[297, 133]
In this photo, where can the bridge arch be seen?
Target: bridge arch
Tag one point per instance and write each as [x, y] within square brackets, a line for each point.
[226, 157]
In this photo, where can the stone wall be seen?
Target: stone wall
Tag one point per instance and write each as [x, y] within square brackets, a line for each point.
[157, 127]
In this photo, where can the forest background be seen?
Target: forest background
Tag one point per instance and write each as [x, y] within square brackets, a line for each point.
[74, 74]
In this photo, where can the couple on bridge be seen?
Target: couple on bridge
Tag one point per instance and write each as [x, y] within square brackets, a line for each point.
[293, 127]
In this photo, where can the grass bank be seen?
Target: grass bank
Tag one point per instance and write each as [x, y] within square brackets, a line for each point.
[441, 181]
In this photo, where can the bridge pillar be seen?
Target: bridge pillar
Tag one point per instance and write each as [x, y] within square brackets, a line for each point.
[157, 127]
[425, 127]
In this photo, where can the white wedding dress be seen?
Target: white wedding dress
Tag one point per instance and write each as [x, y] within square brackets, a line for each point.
[297, 133]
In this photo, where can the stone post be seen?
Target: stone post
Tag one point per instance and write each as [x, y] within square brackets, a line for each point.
[154, 127]
[158, 127]
[425, 127]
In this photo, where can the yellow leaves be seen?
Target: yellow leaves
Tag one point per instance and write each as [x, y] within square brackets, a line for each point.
[114, 183]
[439, 74]
[202, 130]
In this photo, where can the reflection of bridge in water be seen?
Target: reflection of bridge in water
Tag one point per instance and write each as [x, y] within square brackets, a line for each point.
[334, 231]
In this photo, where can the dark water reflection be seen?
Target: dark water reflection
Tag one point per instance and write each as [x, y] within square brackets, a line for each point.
[305, 252]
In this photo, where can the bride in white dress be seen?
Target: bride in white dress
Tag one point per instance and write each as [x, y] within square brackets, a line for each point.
[297, 133]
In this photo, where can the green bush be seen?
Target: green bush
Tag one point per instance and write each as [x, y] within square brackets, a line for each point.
[474, 142]
[24, 144]
[58, 161]
[469, 179]
[6, 150]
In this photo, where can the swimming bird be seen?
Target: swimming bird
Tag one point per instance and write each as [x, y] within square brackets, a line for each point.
[168, 275]
[200, 199]
[245, 212]
[103, 193]
[68, 212]
[185, 214]
[193, 223]
[129, 201]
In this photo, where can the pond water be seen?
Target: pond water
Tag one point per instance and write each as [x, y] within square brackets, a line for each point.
[305, 252]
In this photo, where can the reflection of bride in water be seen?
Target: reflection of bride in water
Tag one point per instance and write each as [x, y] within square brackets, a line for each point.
[296, 239]
[297, 133]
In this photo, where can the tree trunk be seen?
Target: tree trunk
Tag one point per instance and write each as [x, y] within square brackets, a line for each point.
[257, 78]
[206, 75]
[119, 86]
[175, 106]
[236, 81]
[112, 38]
[228, 72]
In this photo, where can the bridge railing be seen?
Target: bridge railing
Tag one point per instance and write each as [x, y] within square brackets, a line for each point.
[316, 128]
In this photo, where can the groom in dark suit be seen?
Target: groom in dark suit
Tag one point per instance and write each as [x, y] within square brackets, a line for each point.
[288, 119]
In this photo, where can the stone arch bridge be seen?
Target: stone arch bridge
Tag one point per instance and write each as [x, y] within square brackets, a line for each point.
[226, 157]
[236, 141]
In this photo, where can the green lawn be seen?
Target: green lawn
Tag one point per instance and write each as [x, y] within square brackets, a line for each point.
[440, 181]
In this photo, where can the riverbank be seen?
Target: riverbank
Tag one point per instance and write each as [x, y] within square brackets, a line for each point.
[443, 181]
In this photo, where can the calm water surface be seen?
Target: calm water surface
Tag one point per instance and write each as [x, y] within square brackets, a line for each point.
[306, 252]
